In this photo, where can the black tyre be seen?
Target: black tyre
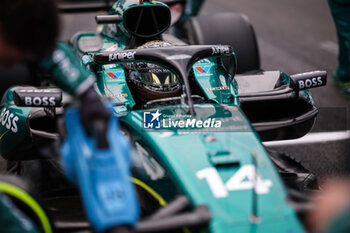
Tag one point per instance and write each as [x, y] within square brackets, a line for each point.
[227, 29]
[25, 199]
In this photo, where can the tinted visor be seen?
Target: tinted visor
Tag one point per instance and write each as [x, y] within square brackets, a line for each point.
[160, 79]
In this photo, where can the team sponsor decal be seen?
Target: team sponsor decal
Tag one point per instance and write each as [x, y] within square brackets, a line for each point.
[39, 97]
[45, 101]
[113, 48]
[218, 88]
[40, 101]
[109, 66]
[203, 69]
[122, 55]
[310, 82]
[114, 75]
[116, 95]
[157, 71]
[9, 120]
[153, 120]
[220, 50]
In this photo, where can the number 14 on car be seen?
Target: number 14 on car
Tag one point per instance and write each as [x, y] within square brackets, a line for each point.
[245, 178]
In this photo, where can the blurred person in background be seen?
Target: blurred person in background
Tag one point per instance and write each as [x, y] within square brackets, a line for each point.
[28, 33]
[331, 212]
[340, 10]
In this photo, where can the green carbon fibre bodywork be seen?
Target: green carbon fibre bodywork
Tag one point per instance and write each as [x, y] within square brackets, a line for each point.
[184, 154]
[179, 157]
[176, 158]
[13, 123]
[185, 162]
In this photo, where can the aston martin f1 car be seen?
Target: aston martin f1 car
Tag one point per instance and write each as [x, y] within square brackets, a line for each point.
[194, 114]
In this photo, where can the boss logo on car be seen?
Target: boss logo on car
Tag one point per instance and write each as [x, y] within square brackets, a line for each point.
[121, 56]
[311, 82]
[40, 101]
[9, 120]
[309, 79]
[220, 50]
[37, 97]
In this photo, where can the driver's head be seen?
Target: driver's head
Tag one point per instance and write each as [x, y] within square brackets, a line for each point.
[150, 81]
[28, 30]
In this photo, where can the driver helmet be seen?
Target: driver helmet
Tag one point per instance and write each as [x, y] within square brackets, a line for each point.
[152, 81]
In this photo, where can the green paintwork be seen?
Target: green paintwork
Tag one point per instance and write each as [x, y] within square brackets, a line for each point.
[185, 153]
[170, 160]
[13, 122]
[177, 156]
[216, 77]
[115, 88]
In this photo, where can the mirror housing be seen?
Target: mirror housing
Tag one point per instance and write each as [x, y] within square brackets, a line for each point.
[147, 20]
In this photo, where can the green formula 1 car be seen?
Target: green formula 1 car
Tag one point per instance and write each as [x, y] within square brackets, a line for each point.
[195, 116]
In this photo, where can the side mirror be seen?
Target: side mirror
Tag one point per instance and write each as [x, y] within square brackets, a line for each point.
[33, 97]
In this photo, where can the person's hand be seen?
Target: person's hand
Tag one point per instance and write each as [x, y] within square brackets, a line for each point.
[329, 204]
[92, 109]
